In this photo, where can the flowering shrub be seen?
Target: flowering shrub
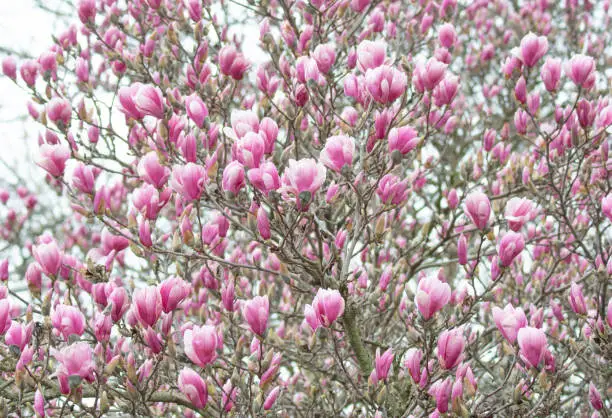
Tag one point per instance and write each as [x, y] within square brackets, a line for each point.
[375, 209]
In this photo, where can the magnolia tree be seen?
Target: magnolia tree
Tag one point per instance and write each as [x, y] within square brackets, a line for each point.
[364, 208]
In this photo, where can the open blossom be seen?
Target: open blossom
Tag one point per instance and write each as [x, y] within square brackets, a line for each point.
[250, 149]
[68, 320]
[532, 343]
[201, 344]
[392, 190]
[189, 180]
[53, 158]
[431, 296]
[427, 75]
[59, 110]
[509, 321]
[265, 178]
[305, 175]
[403, 139]
[478, 209]
[581, 70]
[173, 291]
[371, 54]
[385, 83]
[74, 360]
[532, 48]
[325, 56]
[232, 63]
[517, 212]
[149, 100]
[328, 305]
[256, 312]
[338, 152]
[193, 387]
[606, 206]
[152, 171]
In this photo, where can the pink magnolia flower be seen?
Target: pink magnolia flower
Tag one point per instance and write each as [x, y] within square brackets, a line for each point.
[325, 56]
[385, 83]
[39, 403]
[427, 75]
[551, 73]
[413, 363]
[517, 212]
[152, 171]
[431, 296]
[462, 250]
[532, 48]
[301, 177]
[83, 178]
[233, 177]
[126, 100]
[149, 100]
[509, 321]
[48, 256]
[263, 224]
[441, 390]
[606, 206]
[53, 158]
[147, 305]
[445, 91]
[265, 178]
[311, 317]
[392, 190]
[450, 348]
[576, 299]
[595, 397]
[244, 121]
[581, 70]
[74, 360]
[371, 54]
[447, 35]
[532, 343]
[328, 306]
[18, 335]
[403, 139]
[193, 387]
[189, 180]
[9, 67]
[196, 109]
[382, 365]
[510, 246]
[59, 111]
[172, 291]
[5, 315]
[250, 149]
[86, 10]
[232, 63]
[256, 312]
[194, 7]
[120, 303]
[338, 152]
[478, 209]
[271, 398]
[68, 320]
[201, 344]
